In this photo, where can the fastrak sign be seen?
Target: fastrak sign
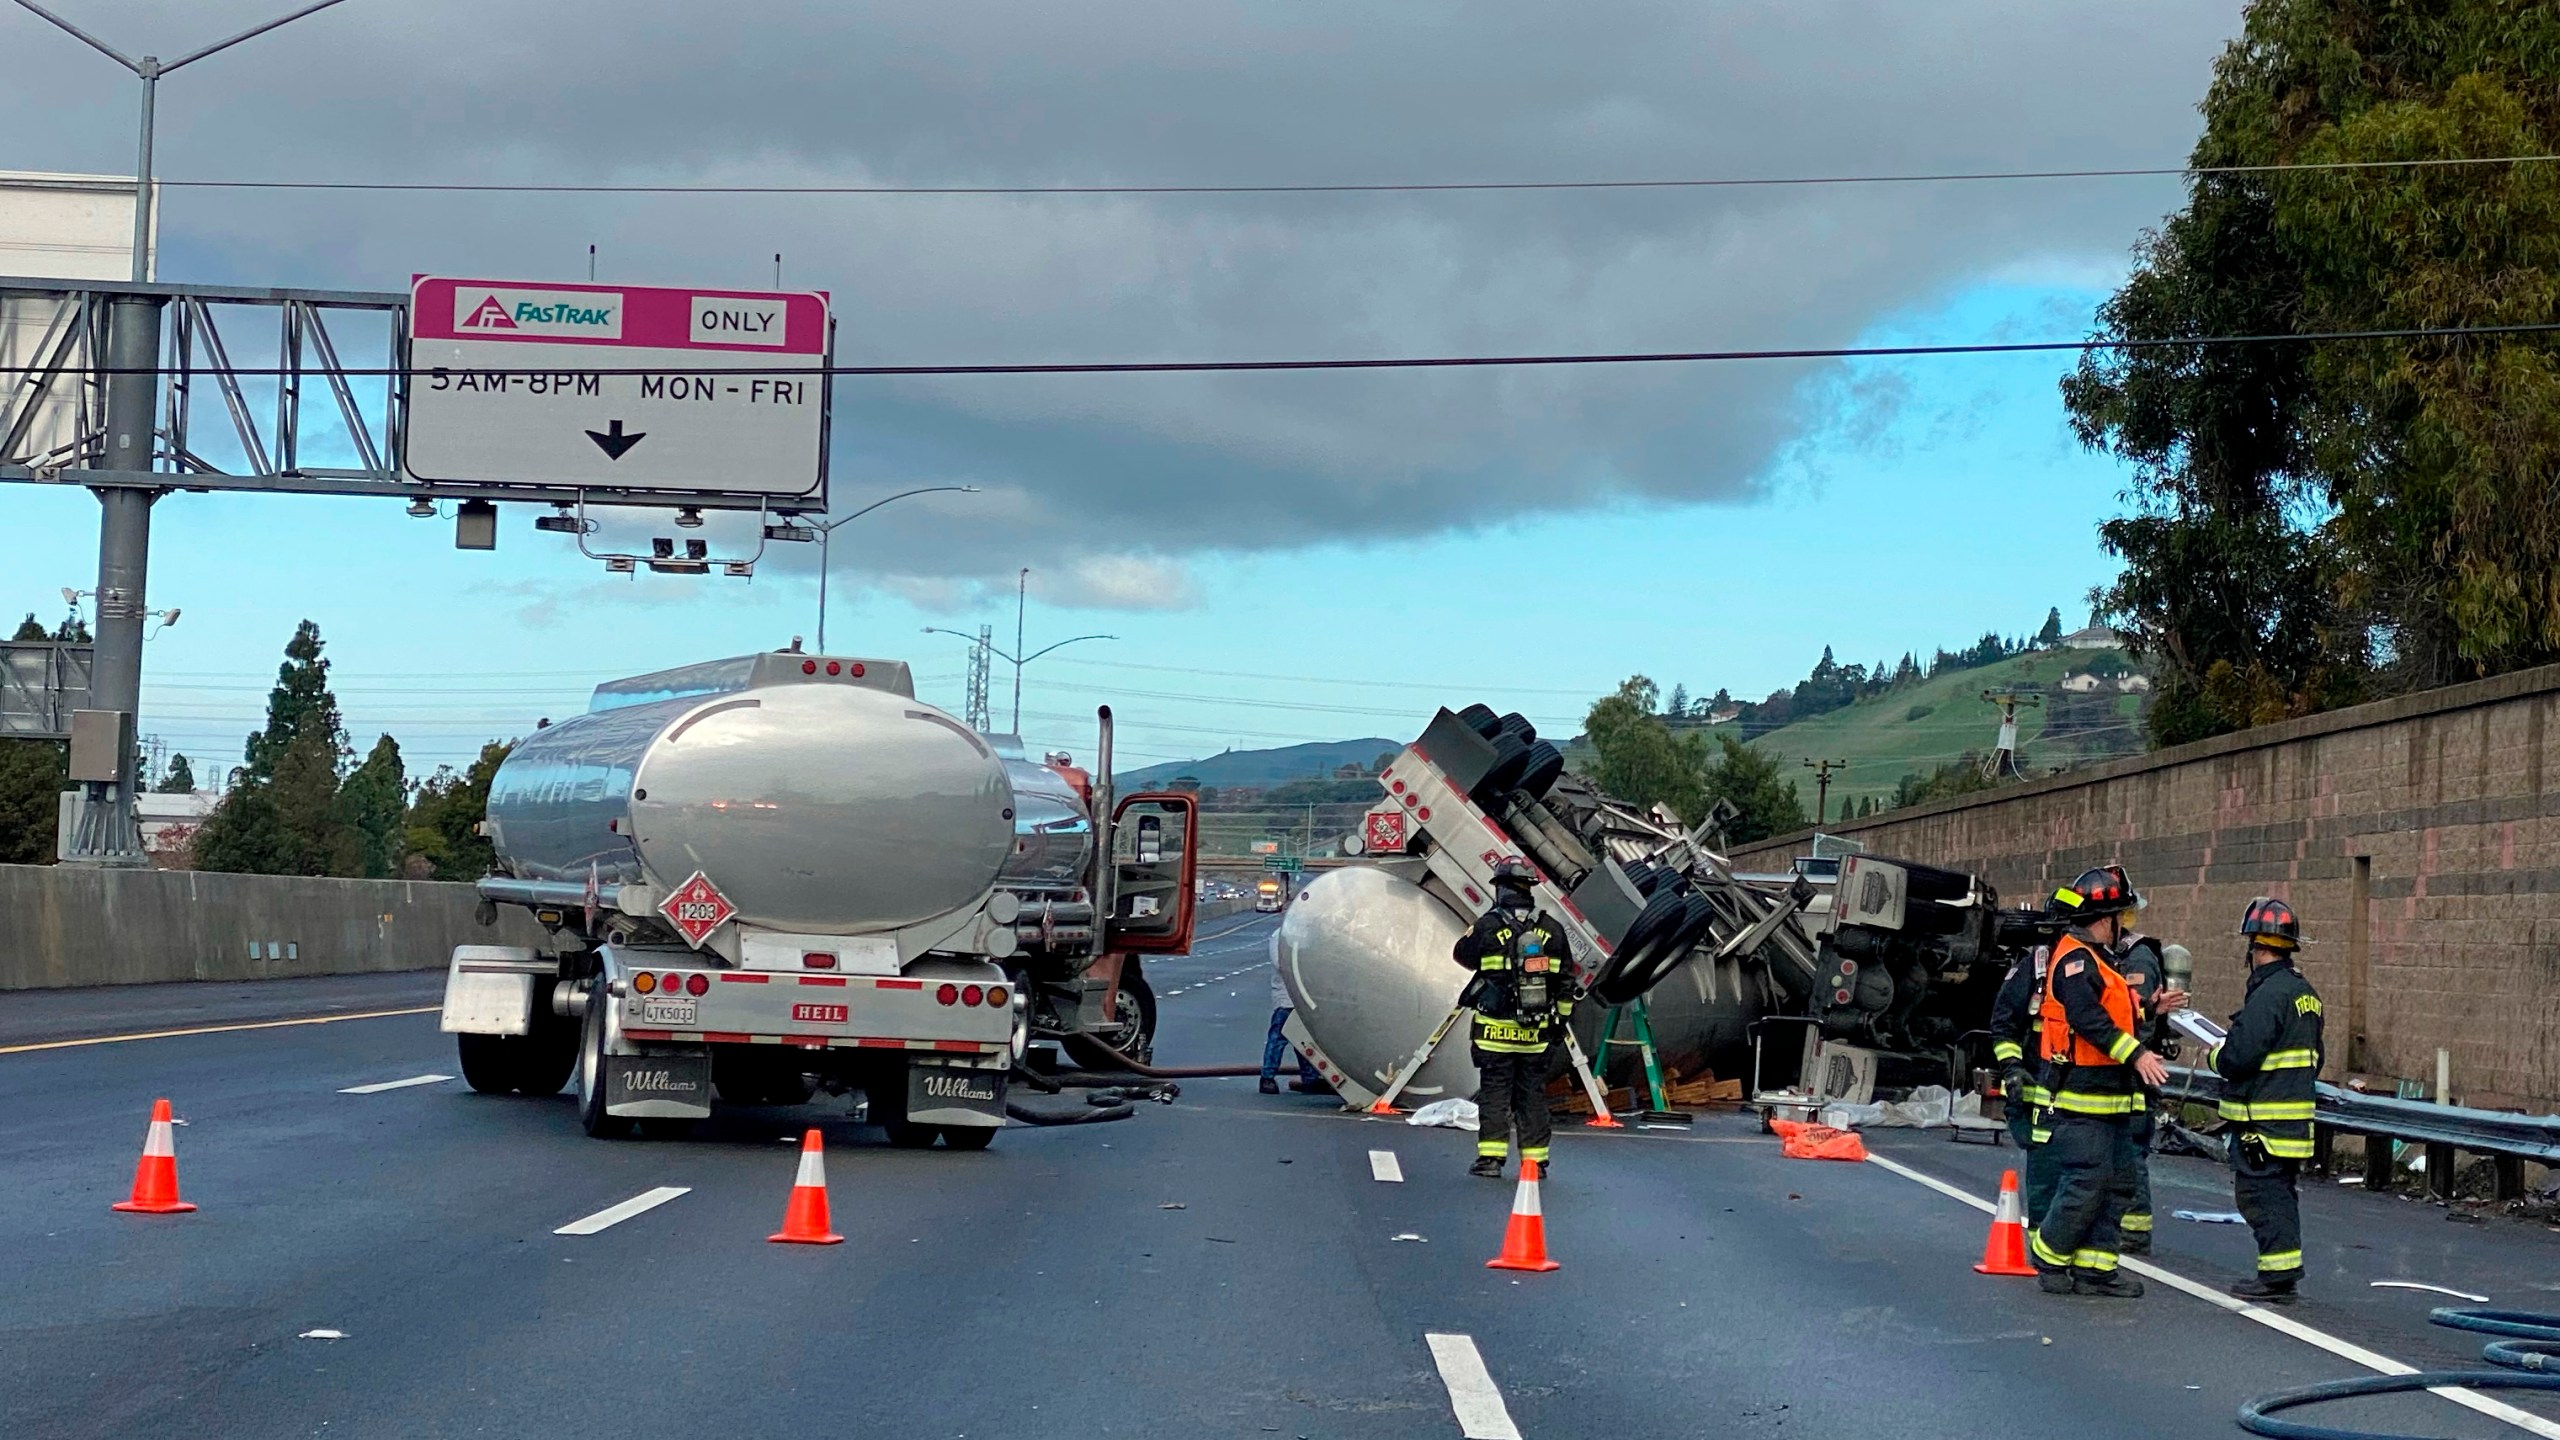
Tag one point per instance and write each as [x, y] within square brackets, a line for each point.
[630, 388]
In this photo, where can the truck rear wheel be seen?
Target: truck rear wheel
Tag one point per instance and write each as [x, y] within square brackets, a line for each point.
[491, 1064]
[591, 1112]
[550, 1051]
[1132, 1031]
[968, 1137]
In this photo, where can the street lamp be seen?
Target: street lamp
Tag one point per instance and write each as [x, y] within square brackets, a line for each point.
[1017, 661]
[149, 70]
[826, 535]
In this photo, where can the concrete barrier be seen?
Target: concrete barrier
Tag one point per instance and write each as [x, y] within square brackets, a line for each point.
[65, 925]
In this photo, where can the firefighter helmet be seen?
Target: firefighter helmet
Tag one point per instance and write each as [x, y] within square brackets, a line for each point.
[2270, 922]
[1514, 874]
[2096, 893]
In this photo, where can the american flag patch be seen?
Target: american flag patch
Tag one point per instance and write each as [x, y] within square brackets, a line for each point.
[2075, 967]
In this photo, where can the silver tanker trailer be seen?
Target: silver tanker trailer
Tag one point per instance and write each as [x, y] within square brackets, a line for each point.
[779, 871]
[1822, 983]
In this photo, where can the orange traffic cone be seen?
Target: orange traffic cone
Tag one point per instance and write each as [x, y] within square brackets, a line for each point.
[1524, 1241]
[2004, 1250]
[804, 1221]
[155, 1180]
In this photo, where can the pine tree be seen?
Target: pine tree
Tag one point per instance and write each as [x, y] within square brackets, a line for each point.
[371, 836]
[31, 629]
[2051, 634]
[1677, 708]
[281, 818]
[180, 777]
[300, 701]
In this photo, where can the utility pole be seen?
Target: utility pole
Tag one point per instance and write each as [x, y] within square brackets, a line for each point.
[1822, 785]
[106, 833]
[1021, 594]
[2004, 756]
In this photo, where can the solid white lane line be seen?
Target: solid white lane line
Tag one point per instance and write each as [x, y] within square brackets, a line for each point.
[1383, 1166]
[613, 1215]
[2282, 1324]
[1472, 1395]
[381, 1085]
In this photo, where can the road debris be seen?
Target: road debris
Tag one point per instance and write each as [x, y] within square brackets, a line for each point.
[2436, 1289]
[2210, 1217]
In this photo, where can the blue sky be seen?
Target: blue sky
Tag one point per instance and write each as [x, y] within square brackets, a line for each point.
[1284, 557]
[1927, 500]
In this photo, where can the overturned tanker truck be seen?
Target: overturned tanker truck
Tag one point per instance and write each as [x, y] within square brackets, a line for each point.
[1822, 983]
[771, 874]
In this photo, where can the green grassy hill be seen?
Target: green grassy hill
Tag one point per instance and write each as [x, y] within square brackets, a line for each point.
[1916, 729]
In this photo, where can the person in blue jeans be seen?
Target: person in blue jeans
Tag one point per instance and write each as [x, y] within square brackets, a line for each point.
[1277, 1044]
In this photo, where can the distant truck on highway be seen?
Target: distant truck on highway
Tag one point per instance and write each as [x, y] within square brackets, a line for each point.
[1267, 895]
[780, 872]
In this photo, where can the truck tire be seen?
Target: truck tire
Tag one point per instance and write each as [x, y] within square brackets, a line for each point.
[1480, 719]
[491, 1064]
[968, 1137]
[1133, 1032]
[550, 1053]
[591, 1114]
[1545, 768]
[889, 1112]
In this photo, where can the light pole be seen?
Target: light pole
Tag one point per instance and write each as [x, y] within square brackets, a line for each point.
[149, 69]
[827, 533]
[107, 833]
[1018, 660]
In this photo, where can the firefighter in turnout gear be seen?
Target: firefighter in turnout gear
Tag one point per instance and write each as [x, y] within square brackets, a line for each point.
[2270, 1069]
[2095, 1069]
[2138, 957]
[2014, 1030]
[1521, 998]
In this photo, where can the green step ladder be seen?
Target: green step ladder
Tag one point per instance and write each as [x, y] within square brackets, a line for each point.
[1642, 1040]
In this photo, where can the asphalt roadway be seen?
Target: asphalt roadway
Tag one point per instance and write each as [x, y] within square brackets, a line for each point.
[385, 1264]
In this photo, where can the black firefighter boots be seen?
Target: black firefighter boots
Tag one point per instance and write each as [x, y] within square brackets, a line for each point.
[2106, 1284]
[2268, 1292]
[1489, 1166]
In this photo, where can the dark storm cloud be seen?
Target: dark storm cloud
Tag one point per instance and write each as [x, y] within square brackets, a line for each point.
[1191, 92]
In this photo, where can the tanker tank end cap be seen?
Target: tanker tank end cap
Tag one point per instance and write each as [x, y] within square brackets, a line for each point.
[1004, 907]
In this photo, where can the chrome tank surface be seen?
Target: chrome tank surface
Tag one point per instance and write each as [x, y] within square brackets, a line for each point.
[1052, 832]
[1365, 956]
[814, 808]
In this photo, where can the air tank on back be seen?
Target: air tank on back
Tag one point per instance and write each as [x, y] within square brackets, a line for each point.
[1365, 954]
[816, 792]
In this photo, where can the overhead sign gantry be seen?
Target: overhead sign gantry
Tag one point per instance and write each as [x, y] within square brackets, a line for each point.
[565, 395]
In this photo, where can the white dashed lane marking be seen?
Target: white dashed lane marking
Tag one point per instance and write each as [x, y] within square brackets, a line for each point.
[613, 1215]
[379, 1086]
[2346, 1350]
[1384, 1167]
[1473, 1396]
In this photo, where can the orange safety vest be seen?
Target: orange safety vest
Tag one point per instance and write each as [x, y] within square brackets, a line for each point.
[2060, 1040]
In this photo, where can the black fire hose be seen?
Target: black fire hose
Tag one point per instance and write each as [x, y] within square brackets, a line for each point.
[2536, 1338]
[1028, 1116]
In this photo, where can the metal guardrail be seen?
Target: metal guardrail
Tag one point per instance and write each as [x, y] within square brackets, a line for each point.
[2444, 1130]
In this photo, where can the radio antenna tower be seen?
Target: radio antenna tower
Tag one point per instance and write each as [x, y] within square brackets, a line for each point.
[981, 660]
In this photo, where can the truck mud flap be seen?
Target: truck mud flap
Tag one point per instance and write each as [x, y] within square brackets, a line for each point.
[669, 1086]
[942, 1095]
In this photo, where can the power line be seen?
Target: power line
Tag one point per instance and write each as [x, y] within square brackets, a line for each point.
[1442, 187]
[1400, 362]
[1432, 685]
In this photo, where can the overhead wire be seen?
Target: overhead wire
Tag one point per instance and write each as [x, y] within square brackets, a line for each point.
[1400, 362]
[1381, 187]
